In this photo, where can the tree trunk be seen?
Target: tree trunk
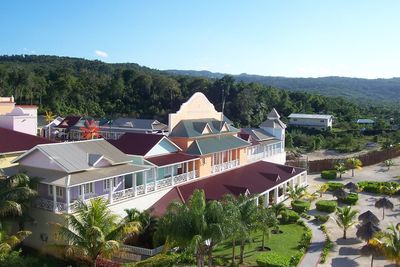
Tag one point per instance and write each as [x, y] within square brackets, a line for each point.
[344, 233]
[383, 213]
[210, 255]
[372, 260]
[241, 251]
[233, 251]
[352, 172]
[199, 259]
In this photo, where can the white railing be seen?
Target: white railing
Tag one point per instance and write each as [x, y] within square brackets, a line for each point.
[47, 204]
[180, 178]
[151, 187]
[224, 166]
[123, 194]
[166, 182]
[140, 190]
[265, 154]
[142, 251]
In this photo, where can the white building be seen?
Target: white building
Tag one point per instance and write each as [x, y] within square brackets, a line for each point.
[315, 121]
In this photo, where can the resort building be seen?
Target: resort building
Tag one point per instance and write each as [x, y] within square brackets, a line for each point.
[13, 144]
[315, 121]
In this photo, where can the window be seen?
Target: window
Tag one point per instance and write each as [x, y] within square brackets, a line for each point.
[294, 119]
[167, 172]
[59, 191]
[106, 183]
[88, 188]
[322, 120]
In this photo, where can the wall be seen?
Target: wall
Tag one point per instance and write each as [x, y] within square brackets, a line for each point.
[309, 122]
[243, 156]
[278, 158]
[205, 169]
[38, 160]
[6, 107]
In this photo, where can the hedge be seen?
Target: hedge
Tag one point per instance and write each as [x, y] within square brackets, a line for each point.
[322, 218]
[289, 216]
[351, 199]
[328, 206]
[332, 186]
[329, 175]
[272, 259]
[160, 260]
[300, 206]
[375, 187]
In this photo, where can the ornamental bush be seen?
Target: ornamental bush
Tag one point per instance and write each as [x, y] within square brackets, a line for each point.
[160, 260]
[329, 174]
[326, 205]
[351, 199]
[332, 186]
[370, 186]
[300, 206]
[272, 259]
[322, 218]
[289, 216]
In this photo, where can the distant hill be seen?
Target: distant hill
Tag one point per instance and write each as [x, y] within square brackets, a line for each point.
[357, 89]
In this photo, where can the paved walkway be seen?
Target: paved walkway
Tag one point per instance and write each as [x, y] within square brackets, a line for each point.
[312, 256]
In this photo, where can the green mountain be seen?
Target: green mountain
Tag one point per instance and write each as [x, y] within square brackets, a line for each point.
[357, 89]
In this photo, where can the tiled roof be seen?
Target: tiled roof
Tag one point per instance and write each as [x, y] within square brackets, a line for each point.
[137, 143]
[254, 178]
[195, 128]
[170, 159]
[69, 121]
[214, 144]
[12, 141]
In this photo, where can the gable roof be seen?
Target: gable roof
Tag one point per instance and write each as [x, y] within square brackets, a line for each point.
[310, 116]
[253, 178]
[139, 144]
[194, 128]
[273, 114]
[214, 144]
[257, 135]
[145, 124]
[74, 156]
[13, 141]
[69, 121]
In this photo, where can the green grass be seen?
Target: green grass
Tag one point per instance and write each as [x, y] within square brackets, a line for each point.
[285, 244]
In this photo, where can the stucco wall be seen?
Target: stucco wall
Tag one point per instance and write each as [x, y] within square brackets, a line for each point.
[205, 168]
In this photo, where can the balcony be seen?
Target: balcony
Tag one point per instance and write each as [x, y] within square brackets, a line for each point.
[224, 166]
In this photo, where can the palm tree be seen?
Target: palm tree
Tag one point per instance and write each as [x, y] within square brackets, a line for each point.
[278, 208]
[345, 218]
[196, 224]
[93, 231]
[266, 220]
[14, 191]
[384, 203]
[353, 163]
[232, 223]
[90, 130]
[341, 169]
[296, 192]
[7, 243]
[389, 243]
[322, 189]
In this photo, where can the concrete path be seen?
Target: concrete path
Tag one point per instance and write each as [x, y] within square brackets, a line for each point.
[312, 256]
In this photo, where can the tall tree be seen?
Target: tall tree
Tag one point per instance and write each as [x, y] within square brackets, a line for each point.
[353, 163]
[345, 218]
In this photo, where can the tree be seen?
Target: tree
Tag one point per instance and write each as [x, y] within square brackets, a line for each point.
[353, 163]
[7, 243]
[14, 191]
[341, 169]
[278, 208]
[232, 223]
[265, 220]
[296, 192]
[388, 163]
[345, 218]
[389, 243]
[196, 224]
[92, 231]
[90, 130]
[384, 203]
[322, 189]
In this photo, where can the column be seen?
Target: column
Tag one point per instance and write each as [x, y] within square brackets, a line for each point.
[110, 190]
[194, 169]
[276, 191]
[54, 198]
[134, 183]
[68, 199]
[83, 192]
[145, 181]
[257, 201]
[266, 201]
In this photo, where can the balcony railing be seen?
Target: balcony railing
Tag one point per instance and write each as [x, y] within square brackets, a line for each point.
[224, 166]
[123, 194]
[264, 155]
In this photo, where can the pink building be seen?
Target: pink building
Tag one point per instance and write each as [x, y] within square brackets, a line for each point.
[22, 118]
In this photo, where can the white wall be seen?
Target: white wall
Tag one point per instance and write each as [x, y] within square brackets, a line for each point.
[309, 122]
[279, 158]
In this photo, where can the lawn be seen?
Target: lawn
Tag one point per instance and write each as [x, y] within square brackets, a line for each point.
[284, 243]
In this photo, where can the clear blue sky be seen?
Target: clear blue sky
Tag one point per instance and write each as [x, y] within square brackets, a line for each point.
[308, 38]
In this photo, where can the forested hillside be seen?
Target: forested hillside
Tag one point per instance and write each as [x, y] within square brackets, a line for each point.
[377, 91]
[77, 86]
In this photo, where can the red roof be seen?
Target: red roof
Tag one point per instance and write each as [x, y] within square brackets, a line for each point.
[255, 178]
[136, 143]
[171, 159]
[12, 141]
[69, 121]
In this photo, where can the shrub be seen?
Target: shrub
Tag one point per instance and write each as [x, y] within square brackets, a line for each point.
[289, 216]
[370, 187]
[322, 218]
[272, 259]
[329, 175]
[295, 259]
[332, 186]
[326, 205]
[300, 206]
[160, 260]
[351, 199]
[305, 216]
[305, 239]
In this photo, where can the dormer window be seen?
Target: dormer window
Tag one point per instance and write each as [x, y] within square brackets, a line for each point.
[207, 129]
